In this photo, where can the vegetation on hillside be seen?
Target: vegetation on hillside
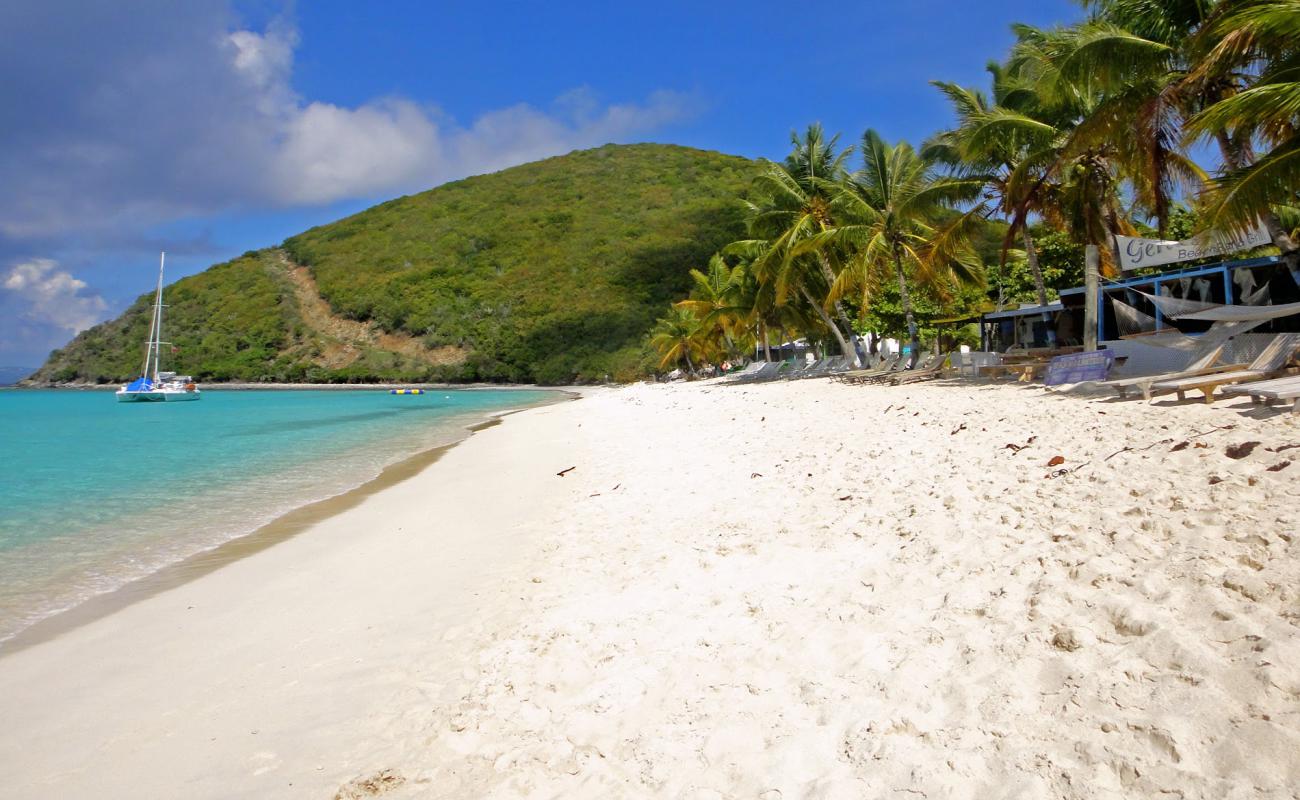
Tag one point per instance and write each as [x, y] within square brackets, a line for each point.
[551, 272]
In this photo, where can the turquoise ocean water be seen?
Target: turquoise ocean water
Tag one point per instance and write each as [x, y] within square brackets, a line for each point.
[95, 493]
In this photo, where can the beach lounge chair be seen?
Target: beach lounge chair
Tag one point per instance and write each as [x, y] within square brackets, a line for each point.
[832, 368]
[841, 365]
[902, 367]
[796, 368]
[778, 370]
[890, 364]
[1265, 392]
[924, 363]
[817, 370]
[749, 369]
[767, 371]
[922, 373]
[1201, 363]
[1269, 364]
[810, 370]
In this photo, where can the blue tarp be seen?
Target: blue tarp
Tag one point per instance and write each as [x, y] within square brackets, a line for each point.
[1079, 367]
[139, 385]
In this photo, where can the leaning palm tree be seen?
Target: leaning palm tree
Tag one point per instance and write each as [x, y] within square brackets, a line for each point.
[718, 300]
[999, 138]
[793, 204]
[895, 219]
[1257, 40]
[1090, 165]
[679, 339]
[1129, 65]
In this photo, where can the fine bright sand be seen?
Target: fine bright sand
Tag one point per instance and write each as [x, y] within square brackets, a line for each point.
[796, 590]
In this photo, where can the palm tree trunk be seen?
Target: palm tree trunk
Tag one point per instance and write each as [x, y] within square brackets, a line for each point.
[1031, 255]
[848, 332]
[1236, 155]
[905, 298]
[828, 322]
[1001, 285]
[690, 367]
[829, 275]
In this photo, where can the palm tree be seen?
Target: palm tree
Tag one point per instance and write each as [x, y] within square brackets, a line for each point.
[678, 338]
[719, 301]
[891, 221]
[1256, 40]
[1172, 70]
[794, 205]
[773, 305]
[1092, 163]
[996, 140]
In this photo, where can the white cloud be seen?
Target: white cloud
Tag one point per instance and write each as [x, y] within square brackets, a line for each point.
[53, 297]
[172, 111]
[522, 133]
[329, 152]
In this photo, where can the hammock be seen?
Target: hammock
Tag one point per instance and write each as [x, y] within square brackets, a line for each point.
[1134, 324]
[1131, 322]
[1175, 307]
[1258, 314]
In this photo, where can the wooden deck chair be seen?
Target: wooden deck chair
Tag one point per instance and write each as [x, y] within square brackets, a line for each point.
[1200, 363]
[767, 371]
[749, 369]
[1269, 364]
[886, 365]
[933, 370]
[923, 363]
[1265, 392]
[895, 364]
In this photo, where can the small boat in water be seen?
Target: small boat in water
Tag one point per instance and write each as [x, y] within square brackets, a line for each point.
[154, 386]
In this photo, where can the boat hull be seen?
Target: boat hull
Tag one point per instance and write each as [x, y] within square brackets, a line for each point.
[156, 396]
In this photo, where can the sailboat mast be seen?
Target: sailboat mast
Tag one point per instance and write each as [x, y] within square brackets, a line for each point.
[156, 325]
[153, 325]
[157, 339]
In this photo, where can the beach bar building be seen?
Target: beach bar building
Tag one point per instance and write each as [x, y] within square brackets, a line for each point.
[1132, 308]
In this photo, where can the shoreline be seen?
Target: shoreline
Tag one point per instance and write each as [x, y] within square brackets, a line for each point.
[281, 528]
[329, 387]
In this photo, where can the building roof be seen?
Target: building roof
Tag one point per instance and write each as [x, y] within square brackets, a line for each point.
[1025, 312]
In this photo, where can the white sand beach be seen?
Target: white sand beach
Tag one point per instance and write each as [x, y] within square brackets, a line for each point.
[794, 590]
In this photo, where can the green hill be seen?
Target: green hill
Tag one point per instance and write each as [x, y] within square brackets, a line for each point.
[549, 272]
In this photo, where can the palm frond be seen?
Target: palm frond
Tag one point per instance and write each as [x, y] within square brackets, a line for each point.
[1268, 104]
[1239, 198]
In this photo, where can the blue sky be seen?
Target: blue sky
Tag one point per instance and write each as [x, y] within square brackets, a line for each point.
[207, 128]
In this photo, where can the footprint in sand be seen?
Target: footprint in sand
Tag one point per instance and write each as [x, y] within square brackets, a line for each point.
[265, 761]
[1127, 625]
[372, 785]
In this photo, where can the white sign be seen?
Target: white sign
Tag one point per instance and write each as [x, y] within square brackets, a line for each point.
[1135, 253]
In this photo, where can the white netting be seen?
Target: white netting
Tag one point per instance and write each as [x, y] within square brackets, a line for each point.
[1136, 324]
[1258, 314]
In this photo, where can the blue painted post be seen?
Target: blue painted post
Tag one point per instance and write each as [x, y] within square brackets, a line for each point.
[1160, 318]
[1092, 316]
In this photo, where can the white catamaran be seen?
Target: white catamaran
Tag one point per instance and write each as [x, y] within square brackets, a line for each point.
[153, 386]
